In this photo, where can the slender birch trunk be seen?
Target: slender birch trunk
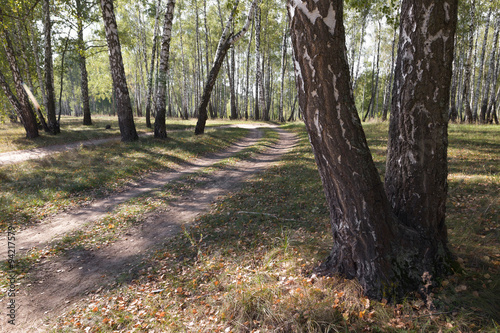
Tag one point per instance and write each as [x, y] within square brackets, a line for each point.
[227, 39]
[160, 130]
[50, 107]
[122, 97]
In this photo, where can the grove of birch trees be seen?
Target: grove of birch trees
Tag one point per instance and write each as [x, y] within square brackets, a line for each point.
[58, 51]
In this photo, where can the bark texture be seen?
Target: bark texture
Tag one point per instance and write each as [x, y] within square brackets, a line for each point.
[361, 220]
[416, 172]
[24, 109]
[160, 130]
[84, 83]
[52, 123]
[375, 240]
[152, 68]
[225, 42]
[122, 97]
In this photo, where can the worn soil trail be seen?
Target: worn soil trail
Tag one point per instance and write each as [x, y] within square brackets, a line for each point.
[58, 283]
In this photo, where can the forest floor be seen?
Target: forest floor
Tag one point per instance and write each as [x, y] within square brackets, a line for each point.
[54, 284]
[229, 246]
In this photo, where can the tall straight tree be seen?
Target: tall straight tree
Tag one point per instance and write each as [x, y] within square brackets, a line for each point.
[122, 97]
[160, 130]
[84, 82]
[52, 123]
[373, 240]
[152, 68]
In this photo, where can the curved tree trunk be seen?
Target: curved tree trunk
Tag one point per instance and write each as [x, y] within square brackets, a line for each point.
[160, 130]
[381, 249]
[24, 109]
[123, 105]
[227, 39]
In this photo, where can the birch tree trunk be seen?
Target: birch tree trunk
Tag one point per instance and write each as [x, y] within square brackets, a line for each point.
[387, 256]
[479, 78]
[152, 70]
[391, 76]
[50, 107]
[122, 97]
[259, 104]
[281, 117]
[416, 168]
[160, 130]
[24, 109]
[184, 112]
[468, 68]
[34, 42]
[248, 70]
[84, 84]
[489, 88]
[226, 40]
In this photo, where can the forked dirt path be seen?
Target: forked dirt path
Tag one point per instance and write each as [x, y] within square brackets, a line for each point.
[58, 283]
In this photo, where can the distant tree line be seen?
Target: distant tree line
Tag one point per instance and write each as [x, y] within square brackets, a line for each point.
[60, 51]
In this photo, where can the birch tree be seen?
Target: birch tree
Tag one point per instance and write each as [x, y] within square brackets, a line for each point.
[21, 104]
[160, 130]
[122, 97]
[84, 81]
[50, 107]
[227, 39]
[388, 246]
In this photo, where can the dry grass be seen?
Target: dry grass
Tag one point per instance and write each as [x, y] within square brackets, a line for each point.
[247, 266]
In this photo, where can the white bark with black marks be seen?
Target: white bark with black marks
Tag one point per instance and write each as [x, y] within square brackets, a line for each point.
[122, 97]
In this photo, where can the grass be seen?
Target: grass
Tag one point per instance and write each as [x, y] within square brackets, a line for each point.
[13, 135]
[31, 190]
[247, 265]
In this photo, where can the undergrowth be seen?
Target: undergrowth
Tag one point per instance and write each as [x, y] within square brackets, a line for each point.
[247, 265]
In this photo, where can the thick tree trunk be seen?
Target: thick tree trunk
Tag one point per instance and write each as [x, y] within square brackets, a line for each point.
[25, 111]
[370, 243]
[160, 130]
[360, 215]
[87, 119]
[18, 108]
[123, 104]
[50, 107]
[416, 171]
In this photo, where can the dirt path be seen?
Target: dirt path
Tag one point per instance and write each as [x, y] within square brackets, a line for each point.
[60, 282]
[17, 156]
